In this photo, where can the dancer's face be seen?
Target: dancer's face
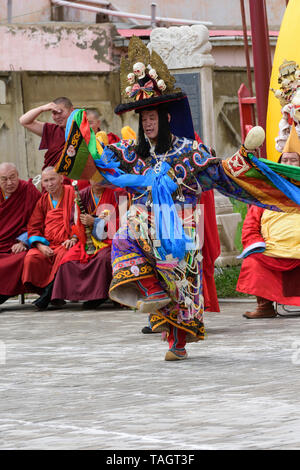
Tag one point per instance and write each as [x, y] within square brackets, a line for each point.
[150, 122]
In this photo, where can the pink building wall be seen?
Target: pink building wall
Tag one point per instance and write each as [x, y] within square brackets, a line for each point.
[26, 11]
[56, 47]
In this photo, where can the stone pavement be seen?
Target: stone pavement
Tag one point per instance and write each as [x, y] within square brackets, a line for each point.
[75, 379]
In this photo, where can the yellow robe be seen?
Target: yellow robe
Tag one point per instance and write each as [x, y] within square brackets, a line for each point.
[281, 232]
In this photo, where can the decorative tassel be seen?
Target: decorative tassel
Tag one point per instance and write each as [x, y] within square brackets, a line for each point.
[149, 197]
[180, 197]
[164, 335]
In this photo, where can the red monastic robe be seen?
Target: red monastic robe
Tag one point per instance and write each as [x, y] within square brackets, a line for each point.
[210, 252]
[50, 225]
[14, 216]
[211, 249]
[275, 279]
[53, 140]
[88, 277]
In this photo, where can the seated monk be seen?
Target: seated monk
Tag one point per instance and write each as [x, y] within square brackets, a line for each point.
[49, 236]
[17, 201]
[271, 241]
[83, 276]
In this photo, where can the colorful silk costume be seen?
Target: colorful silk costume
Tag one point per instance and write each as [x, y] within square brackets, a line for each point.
[15, 212]
[140, 250]
[162, 239]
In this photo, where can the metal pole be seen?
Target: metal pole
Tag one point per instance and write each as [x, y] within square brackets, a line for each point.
[153, 15]
[246, 47]
[9, 11]
[268, 50]
[261, 58]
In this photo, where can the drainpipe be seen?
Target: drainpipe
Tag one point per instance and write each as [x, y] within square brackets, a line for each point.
[153, 15]
[9, 11]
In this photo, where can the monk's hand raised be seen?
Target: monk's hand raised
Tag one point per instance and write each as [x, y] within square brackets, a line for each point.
[18, 247]
[69, 243]
[46, 250]
[87, 220]
[51, 107]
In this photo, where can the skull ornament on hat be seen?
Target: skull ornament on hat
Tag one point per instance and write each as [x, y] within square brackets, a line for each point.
[139, 70]
[128, 90]
[153, 74]
[161, 85]
[145, 79]
[131, 78]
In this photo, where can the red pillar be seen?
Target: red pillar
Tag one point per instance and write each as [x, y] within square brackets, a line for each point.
[261, 59]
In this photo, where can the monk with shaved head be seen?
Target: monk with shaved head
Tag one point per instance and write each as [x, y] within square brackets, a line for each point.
[49, 235]
[52, 134]
[17, 201]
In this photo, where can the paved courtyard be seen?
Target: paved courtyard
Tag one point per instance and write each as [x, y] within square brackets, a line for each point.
[78, 379]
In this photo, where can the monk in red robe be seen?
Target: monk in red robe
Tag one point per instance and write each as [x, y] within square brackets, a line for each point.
[83, 276]
[17, 201]
[271, 265]
[52, 134]
[271, 255]
[49, 236]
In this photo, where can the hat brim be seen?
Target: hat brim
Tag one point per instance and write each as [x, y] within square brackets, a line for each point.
[149, 102]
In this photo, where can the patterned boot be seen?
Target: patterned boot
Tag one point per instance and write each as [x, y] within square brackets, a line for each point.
[154, 296]
[177, 342]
